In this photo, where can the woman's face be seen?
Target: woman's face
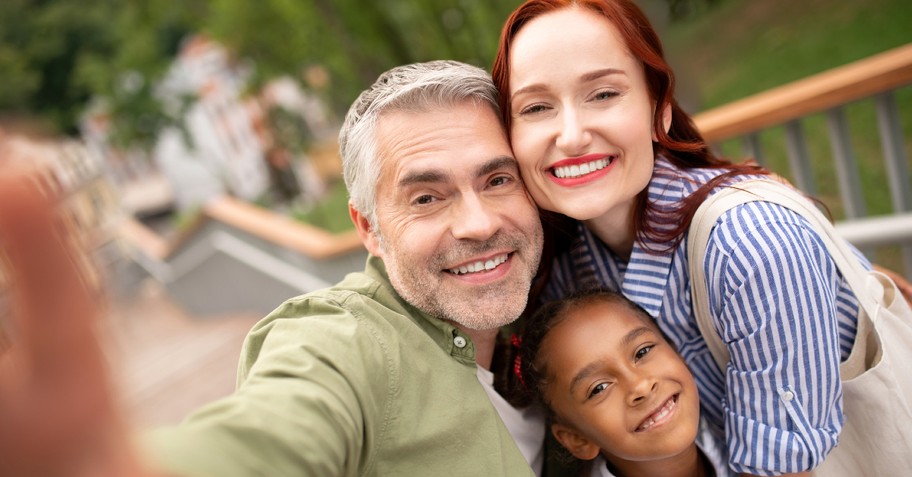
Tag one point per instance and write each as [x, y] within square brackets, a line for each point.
[581, 116]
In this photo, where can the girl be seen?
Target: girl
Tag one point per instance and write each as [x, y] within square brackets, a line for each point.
[615, 389]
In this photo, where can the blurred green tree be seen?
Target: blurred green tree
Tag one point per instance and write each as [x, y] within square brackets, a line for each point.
[56, 55]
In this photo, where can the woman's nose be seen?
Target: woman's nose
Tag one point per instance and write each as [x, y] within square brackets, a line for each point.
[574, 137]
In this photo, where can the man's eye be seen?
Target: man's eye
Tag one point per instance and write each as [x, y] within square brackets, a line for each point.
[640, 353]
[500, 180]
[423, 199]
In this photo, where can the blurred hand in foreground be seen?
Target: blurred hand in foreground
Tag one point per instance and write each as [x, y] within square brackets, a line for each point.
[57, 412]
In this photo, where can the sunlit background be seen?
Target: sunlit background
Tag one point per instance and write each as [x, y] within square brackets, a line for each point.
[196, 140]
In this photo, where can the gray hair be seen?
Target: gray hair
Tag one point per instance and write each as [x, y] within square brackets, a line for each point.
[416, 87]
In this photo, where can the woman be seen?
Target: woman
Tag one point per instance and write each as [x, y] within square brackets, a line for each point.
[589, 101]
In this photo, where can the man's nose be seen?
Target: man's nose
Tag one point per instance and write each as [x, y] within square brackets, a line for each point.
[476, 218]
[574, 136]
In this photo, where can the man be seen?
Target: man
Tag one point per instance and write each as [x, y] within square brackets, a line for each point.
[374, 376]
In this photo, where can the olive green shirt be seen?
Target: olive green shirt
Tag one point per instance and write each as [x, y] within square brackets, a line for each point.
[346, 381]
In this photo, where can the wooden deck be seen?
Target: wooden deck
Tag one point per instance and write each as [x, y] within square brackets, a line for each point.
[166, 362]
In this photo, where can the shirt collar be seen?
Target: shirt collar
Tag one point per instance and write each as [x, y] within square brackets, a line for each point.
[644, 277]
[451, 339]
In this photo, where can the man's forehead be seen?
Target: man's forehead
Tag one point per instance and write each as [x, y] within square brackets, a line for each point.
[413, 141]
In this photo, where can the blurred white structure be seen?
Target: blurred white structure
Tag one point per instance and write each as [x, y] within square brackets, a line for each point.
[224, 153]
[220, 146]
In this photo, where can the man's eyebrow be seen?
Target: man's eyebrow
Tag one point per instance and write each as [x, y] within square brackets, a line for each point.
[501, 162]
[591, 368]
[422, 177]
[437, 175]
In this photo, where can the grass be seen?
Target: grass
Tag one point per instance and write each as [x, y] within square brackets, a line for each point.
[745, 47]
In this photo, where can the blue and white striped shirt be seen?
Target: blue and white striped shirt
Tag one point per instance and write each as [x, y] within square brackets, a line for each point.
[779, 303]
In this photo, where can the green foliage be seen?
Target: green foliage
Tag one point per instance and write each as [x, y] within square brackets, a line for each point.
[56, 55]
[289, 130]
[331, 213]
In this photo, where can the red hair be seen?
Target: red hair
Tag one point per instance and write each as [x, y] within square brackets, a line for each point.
[682, 145]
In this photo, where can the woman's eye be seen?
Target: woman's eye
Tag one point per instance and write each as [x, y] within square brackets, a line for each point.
[640, 353]
[535, 108]
[598, 389]
[604, 95]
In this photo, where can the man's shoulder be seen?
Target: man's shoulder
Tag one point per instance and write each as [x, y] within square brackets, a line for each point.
[357, 296]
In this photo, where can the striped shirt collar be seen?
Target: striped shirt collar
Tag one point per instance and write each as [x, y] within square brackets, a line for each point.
[644, 277]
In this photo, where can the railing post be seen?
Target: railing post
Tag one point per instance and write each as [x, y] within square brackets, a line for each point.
[798, 157]
[895, 161]
[752, 148]
[846, 165]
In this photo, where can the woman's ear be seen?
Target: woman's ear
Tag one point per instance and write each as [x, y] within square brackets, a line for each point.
[666, 117]
[366, 232]
[578, 445]
[666, 121]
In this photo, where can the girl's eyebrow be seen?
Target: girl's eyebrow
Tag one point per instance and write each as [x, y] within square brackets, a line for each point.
[592, 367]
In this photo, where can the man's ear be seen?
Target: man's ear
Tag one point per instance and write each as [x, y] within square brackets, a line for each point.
[578, 445]
[367, 234]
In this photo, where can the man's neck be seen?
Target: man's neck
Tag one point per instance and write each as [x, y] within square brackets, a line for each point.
[484, 344]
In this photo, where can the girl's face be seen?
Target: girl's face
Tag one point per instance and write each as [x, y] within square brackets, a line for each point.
[581, 115]
[617, 386]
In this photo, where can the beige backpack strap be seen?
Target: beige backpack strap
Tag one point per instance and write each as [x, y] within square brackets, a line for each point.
[708, 214]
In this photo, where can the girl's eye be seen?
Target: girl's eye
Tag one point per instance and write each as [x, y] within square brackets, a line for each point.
[598, 389]
[642, 352]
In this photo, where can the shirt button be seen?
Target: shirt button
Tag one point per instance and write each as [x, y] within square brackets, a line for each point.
[459, 341]
[788, 396]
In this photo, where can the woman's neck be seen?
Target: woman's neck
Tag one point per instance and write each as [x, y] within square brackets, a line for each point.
[616, 230]
[690, 463]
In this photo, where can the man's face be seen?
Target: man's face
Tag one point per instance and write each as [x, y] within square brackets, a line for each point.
[459, 235]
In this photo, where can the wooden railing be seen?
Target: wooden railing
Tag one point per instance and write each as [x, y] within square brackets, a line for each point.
[875, 78]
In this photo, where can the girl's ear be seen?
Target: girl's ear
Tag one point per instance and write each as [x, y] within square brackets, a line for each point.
[578, 445]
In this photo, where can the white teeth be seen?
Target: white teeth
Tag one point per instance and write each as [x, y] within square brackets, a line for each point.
[479, 265]
[580, 170]
[658, 416]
